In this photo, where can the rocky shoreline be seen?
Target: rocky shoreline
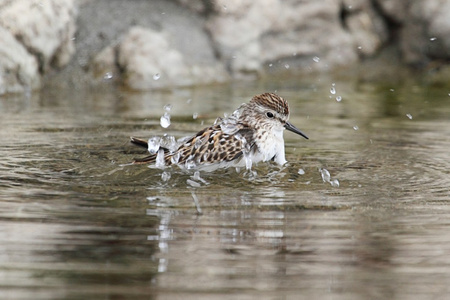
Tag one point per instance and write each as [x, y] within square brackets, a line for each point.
[146, 45]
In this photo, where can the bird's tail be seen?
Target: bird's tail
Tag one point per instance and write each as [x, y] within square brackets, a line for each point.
[139, 142]
[150, 158]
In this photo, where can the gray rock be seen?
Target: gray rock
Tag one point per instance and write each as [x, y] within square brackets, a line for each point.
[18, 68]
[250, 34]
[129, 42]
[149, 61]
[191, 42]
[422, 29]
[38, 39]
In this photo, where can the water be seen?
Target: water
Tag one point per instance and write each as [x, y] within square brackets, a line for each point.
[76, 224]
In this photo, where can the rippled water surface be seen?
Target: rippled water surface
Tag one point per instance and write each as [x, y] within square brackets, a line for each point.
[77, 224]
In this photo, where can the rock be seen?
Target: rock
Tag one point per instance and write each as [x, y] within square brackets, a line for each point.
[421, 28]
[250, 34]
[18, 68]
[191, 42]
[137, 45]
[147, 60]
[367, 28]
[44, 31]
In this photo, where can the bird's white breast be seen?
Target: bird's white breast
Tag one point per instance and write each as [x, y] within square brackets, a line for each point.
[271, 145]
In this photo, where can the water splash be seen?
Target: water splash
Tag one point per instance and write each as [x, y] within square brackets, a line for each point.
[169, 142]
[246, 151]
[287, 66]
[165, 120]
[159, 163]
[301, 172]
[409, 116]
[197, 178]
[190, 164]
[334, 183]
[228, 128]
[154, 143]
[338, 98]
[108, 76]
[316, 59]
[333, 89]
[198, 143]
[197, 205]
[195, 116]
[193, 183]
[229, 124]
[326, 177]
[175, 158]
[165, 176]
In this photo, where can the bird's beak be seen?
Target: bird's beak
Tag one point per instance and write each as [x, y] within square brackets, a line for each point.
[294, 129]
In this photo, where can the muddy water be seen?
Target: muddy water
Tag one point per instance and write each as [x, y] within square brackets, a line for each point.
[76, 224]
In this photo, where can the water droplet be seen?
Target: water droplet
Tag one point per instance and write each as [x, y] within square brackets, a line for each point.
[197, 177]
[198, 143]
[301, 171]
[156, 76]
[270, 65]
[193, 183]
[175, 158]
[190, 164]
[169, 142]
[325, 175]
[333, 89]
[316, 59]
[433, 39]
[359, 47]
[294, 54]
[338, 98]
[355, 127]
[151, 199]
[287, 66]
[159, 163]
[165, 176]
[229, 128]
[165, 120]
[224, 7]
[409, 116]
[153, 144]
[108, 76]
[195, 116]
[167, 107]
[392, 90]
[334, 183]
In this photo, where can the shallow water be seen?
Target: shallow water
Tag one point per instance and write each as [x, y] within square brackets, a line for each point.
[76, 224]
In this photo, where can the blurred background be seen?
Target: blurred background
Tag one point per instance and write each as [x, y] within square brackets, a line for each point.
[146, 45]
[360, 211]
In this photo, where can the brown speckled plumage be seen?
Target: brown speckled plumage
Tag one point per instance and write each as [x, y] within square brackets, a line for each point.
[247, 132]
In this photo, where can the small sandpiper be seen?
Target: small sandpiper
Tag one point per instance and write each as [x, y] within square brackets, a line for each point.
[252, 133]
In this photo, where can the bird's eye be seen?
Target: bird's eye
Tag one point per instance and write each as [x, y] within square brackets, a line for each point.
[269, 114]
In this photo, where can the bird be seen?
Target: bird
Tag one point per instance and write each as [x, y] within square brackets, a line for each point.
[253, 133]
